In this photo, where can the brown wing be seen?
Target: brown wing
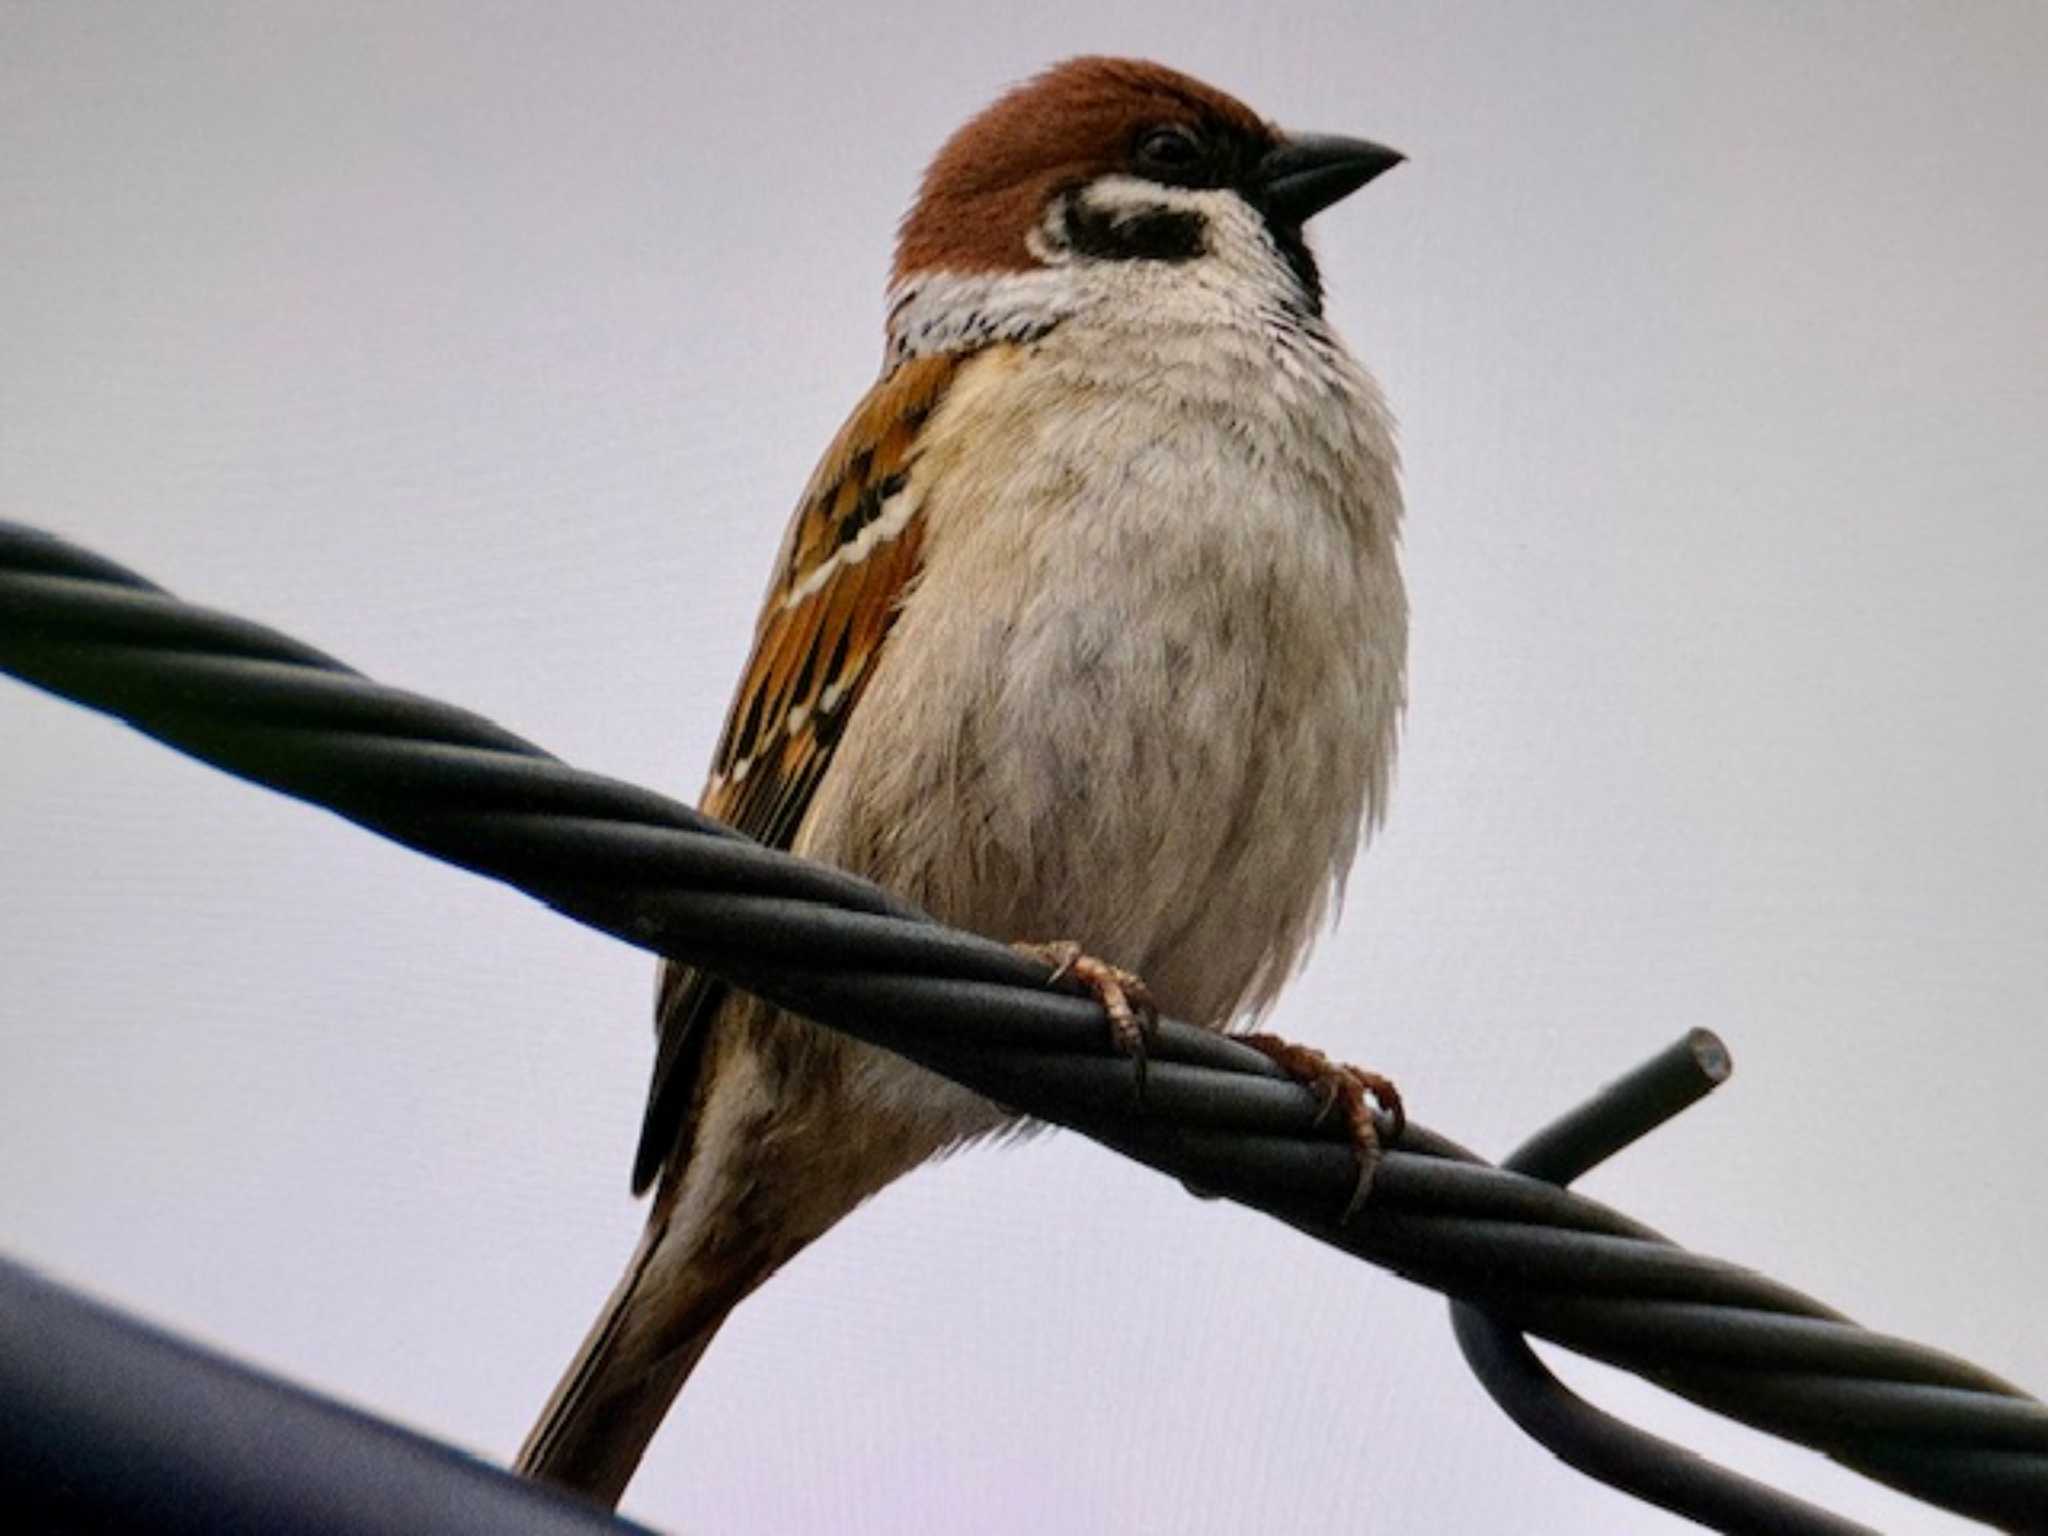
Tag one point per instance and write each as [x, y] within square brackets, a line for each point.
[852, 549]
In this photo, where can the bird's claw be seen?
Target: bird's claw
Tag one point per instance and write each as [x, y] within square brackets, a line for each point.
[1371, 1103]
[1125, 999]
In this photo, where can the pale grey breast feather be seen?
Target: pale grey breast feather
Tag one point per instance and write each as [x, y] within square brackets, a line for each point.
[1161, 593]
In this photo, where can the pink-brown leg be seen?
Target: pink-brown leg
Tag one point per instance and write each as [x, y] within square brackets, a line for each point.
[1124, 996]
[1371, 1104]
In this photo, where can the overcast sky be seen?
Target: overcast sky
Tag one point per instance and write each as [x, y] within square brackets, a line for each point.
[487, 346]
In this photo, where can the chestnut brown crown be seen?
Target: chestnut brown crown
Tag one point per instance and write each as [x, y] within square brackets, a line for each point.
[1088, 117]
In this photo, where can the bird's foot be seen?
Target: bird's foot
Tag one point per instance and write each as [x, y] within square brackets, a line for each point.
[1371, 1103]
[1133, 1017]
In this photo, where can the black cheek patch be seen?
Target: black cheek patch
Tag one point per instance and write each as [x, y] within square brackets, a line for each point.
[1155, 234]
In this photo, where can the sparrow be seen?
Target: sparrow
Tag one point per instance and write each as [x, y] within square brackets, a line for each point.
[1089, 624]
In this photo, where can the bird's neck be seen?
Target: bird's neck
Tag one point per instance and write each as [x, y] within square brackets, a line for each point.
[933, 313]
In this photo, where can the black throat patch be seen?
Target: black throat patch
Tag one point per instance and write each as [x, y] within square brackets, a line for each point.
[1300, 261]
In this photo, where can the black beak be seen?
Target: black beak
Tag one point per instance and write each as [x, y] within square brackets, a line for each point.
[1303, 175]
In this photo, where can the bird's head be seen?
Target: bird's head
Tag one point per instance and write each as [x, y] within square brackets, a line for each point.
[1104, 161]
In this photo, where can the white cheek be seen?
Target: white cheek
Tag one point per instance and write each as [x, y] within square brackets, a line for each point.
[1241, 283]
[1241, 269]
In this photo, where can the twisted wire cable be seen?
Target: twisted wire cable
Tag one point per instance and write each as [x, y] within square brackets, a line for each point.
[1585, 1437]
[1215, 1114]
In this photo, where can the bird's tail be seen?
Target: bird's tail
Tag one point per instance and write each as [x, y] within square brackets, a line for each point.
[649, 1337]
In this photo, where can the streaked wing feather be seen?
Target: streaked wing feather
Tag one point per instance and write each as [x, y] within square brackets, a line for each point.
[839, 580]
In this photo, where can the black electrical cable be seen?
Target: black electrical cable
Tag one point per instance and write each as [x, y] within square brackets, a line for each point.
[1581, 1435]
[109, 1425]
[1217, 1115]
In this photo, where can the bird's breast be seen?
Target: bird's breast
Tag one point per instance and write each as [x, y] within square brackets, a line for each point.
[1144, 690]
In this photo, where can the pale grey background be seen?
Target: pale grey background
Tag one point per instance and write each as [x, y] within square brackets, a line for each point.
[486, 346]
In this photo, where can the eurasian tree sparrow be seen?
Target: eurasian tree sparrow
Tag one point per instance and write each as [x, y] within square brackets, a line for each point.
[1088, 624]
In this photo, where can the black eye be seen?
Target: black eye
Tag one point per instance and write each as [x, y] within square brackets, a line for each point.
[1168, 150]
